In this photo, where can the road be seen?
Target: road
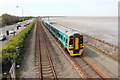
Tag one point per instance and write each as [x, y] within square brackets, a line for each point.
[9, 27]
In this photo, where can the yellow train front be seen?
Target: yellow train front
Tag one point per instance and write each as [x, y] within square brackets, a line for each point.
[75, 46]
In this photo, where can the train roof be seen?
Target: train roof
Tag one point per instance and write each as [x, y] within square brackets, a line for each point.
[63, 29]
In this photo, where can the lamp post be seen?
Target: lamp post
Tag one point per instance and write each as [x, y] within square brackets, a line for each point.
[21, 9]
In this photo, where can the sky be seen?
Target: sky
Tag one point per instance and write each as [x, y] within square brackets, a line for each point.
[59, 7]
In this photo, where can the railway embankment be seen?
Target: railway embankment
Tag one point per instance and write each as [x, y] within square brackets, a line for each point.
[106, 48]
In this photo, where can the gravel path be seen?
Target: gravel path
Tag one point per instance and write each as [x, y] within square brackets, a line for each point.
[28, 69]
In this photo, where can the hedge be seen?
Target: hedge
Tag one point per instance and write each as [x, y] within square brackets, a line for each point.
[13, 49]
[8, 19]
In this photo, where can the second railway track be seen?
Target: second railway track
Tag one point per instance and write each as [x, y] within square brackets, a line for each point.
[88, 68]
[43, 58]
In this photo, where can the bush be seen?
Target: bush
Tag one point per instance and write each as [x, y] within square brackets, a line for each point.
[10, 19]
[13, 49]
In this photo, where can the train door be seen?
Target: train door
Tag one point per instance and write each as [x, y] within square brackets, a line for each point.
[76, 43]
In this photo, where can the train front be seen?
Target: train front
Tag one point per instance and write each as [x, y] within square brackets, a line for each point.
[75, 44]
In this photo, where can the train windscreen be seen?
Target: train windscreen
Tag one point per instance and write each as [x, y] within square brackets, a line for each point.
[81, 39]
[71, 42]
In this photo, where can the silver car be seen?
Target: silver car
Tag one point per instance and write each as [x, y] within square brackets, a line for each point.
[2, 37]
[12, 31]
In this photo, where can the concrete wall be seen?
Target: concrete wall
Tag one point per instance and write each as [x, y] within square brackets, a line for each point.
[107, 48]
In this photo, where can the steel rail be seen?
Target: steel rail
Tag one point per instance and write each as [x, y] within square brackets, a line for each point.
[98, 71]
[44, 58]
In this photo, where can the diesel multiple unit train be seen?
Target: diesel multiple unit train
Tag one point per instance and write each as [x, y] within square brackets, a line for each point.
[69, 38]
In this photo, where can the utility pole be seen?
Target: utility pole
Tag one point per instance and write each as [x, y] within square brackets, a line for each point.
[21, 9]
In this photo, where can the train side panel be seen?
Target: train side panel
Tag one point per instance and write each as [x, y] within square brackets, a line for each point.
[63, 39]
[58, 34]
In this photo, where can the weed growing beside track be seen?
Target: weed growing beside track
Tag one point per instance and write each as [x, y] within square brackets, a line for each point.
[13, 49]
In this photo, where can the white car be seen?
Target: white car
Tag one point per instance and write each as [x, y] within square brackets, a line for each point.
[2, 37]
[12, 31]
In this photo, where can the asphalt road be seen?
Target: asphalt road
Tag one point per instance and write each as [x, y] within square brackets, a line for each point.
[3, 42]
[9, 27]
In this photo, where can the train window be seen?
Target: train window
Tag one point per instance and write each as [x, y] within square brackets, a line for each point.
[71, 42]
[58, 34]
[81, 39]
[61, 37]
[71, 36]
[66, 40]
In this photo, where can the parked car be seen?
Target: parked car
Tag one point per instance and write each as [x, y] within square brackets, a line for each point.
[2, 37]
[18, 25]
[28, 23]
[25, 24]
[12, 31]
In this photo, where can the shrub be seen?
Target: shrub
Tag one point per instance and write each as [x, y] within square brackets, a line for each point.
[10, 19]
[13, 49]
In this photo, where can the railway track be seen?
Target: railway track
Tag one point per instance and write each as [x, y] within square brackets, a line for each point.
[89, 69]
[43, 58]
[84, 67]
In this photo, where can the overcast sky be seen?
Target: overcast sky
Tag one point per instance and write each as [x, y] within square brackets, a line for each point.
[60, 7]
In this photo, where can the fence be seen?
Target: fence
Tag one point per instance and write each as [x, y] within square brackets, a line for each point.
[12, 71]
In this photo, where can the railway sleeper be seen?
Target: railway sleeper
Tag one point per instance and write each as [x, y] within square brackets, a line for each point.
[83, 64]
[49, 69]
[86, 67]
[89, 70]
[93, 72]
[47, 72]
[44, 62]
[93, 75]
[48, 66]
[47, 75]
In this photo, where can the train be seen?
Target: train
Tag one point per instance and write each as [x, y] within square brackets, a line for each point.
[70, 39]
